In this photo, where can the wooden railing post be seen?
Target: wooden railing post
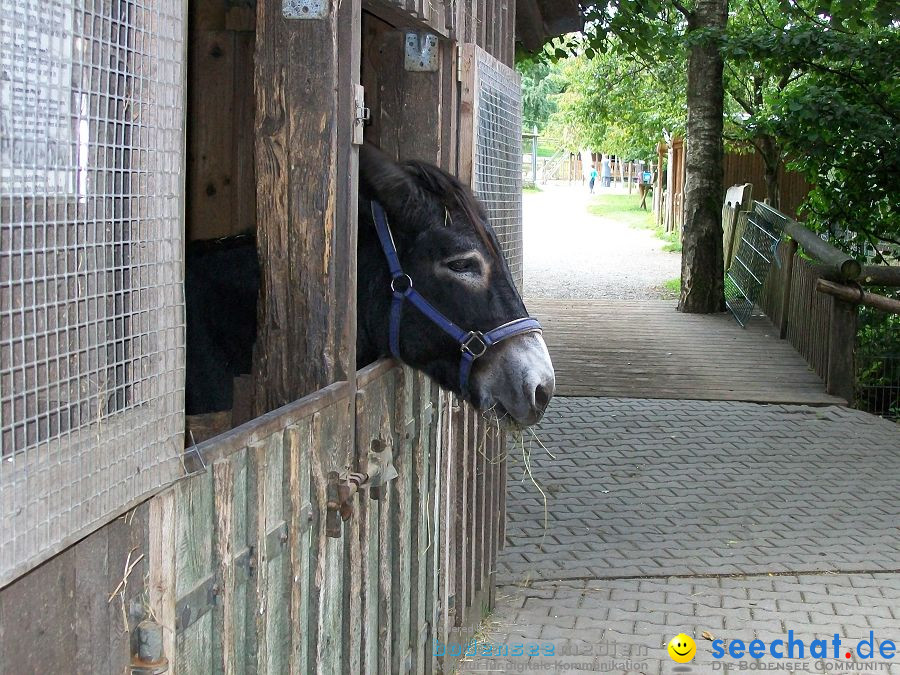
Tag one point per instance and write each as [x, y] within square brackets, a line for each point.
[841, 375]
[786, 288]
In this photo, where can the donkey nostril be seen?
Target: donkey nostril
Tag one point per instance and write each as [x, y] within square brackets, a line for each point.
[542, 397]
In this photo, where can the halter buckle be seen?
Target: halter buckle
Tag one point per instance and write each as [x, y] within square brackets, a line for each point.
[408, 283]
[473, 336]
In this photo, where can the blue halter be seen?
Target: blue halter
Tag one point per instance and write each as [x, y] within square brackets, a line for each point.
[472, 344]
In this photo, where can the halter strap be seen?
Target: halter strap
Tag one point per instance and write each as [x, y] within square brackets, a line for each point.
[473, 344]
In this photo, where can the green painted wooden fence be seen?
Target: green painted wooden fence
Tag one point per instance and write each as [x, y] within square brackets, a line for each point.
[247, 575]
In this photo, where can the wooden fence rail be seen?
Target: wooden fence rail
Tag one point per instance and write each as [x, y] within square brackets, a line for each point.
[254, 568]
[821, 327]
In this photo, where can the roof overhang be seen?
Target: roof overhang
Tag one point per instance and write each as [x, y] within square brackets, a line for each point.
[537, 21]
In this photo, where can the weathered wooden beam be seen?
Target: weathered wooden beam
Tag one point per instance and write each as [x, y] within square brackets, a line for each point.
[786, 288]
[401, 19]
[305, 207]
[529, 24]
[857, 296]
[880, 275]
[843, 265]
[561, 16]
[840, 378]
[406, 106]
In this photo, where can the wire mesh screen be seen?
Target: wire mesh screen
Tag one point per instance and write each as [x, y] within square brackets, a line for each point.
[752, 260]
[91, 310]
[878, 383]
[497, 166]
[878, 359]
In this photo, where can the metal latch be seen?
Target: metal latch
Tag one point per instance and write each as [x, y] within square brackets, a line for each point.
[361, 115]
[379, 471]
[421, 52]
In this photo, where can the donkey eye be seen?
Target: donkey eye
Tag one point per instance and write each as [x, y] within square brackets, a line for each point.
[464, 265]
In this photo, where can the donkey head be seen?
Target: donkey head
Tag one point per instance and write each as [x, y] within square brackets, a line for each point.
[447, 247]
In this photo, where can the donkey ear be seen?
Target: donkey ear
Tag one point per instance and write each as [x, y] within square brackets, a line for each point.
[384, 180]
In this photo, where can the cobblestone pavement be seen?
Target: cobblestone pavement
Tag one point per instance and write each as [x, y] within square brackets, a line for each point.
[729, 520]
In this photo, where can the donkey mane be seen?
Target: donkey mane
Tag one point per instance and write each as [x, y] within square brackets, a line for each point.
[452, 194]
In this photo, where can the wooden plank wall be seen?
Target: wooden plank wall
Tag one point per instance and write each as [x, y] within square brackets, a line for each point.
[748, 168]
[490, 24]
[409, 110]
[234, 559]
[221, 181]
[253, 580]
[236, 562]
[809, 312]
[76, 612]
[249, 580]
[739, 168]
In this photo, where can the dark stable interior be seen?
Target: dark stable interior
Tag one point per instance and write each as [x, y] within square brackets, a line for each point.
[221, 270]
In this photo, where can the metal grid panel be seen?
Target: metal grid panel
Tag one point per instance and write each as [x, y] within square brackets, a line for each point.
[91, 309]
[497, 167]
[878, 390]
[752, 262]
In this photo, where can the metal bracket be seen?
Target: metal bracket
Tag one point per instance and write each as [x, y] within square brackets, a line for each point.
[196, 603]
[192, 460]
[421, 52]
[334, 506]
[361, 115]
[305, 9]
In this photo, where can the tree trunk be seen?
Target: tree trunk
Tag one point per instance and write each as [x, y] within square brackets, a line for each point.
[702, 288]
[771, 156]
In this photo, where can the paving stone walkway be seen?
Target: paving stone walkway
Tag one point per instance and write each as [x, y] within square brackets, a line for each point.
[720, 520]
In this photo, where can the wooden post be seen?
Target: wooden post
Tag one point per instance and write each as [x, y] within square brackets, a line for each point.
[786, 288]
[841, 376]
[670, 191]
[658, 204]
[306, 217]
[306, 80]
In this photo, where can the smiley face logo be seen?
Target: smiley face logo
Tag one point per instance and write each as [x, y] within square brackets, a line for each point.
[682, 648]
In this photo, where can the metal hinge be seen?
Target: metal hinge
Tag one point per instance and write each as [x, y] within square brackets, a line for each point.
[361, 114]
[421, 52]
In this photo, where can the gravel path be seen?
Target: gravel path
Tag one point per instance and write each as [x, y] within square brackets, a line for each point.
[571, 254]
